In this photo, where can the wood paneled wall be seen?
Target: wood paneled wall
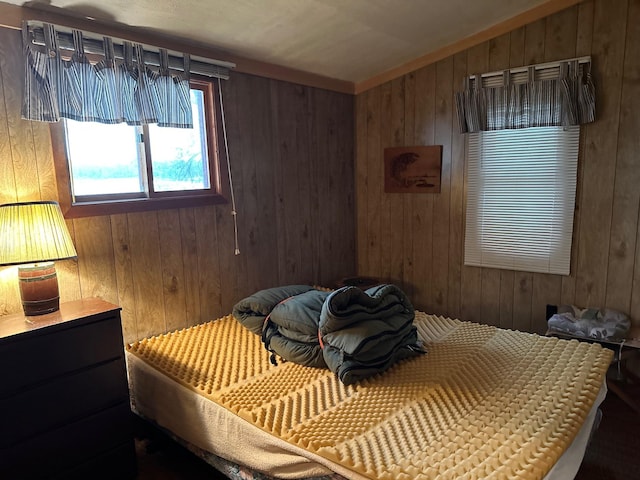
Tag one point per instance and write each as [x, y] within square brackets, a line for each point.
[417, 239]
[291, 150]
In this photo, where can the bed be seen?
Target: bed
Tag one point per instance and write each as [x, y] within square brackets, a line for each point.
[482, 403]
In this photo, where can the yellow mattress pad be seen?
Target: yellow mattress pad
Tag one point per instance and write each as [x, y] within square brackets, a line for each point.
[483, 403]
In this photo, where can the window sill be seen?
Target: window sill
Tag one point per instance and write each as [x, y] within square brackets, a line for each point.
[79, 210]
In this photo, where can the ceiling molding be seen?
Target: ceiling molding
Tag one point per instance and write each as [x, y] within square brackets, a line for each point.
[530, 16]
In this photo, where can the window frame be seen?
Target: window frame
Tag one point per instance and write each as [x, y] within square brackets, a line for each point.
[151, 200]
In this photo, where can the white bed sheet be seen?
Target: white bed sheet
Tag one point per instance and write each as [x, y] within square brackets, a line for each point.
[211, 427]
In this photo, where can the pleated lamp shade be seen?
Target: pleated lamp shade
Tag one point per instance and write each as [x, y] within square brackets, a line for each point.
[35, 233]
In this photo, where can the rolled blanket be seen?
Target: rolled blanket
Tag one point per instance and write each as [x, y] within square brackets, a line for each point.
[287, 319]
[253, 310]
[362, 332]
[366, 332]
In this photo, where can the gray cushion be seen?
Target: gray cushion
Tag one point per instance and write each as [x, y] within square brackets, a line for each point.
[601, 324]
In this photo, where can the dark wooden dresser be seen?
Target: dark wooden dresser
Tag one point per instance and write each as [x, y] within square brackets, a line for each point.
[64, 398]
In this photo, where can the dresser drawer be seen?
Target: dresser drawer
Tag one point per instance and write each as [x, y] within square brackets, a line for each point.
[26, 360]
[65, 448]
[67, 398]
[64, 400]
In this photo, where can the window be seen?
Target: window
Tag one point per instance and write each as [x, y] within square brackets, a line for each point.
[104, 169]
[521, 198]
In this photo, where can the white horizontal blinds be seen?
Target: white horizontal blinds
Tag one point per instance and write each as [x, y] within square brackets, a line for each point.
[520, 198]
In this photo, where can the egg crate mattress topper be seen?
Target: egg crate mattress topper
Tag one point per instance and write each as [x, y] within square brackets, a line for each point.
[483, 403]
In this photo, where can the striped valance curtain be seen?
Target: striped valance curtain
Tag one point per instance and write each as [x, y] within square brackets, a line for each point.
[559, 94]
[107, 91]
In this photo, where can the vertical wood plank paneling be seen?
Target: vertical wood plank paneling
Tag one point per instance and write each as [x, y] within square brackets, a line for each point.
[8, 80]
[190, 267]
[321, 172]
[9, 295]
[584, 33]
[630, 146]
[386, 140]
[395, 201]
[424, 134]
[68, 273]
[302, 225]
[69, 279]
[600, 154]
[499, 52]
[19, 135]
[441, 202]
[286, 100]
[456, 217]
[534, 35]
[124, 276]
[343, 232]
[505, 312]
[522, 297]
[375, 180]
[471, 294]
[229, 264]
[173, 282]
[144, 242]
[303, 157]
[209, 263]
[561, 35]
[516, 47]
[634, 311]
[362, 181]
[94, 246]
[336, 240]
[398, 115]
[583, 47]
[44, 160]
[254, 113]
[546, 290]
[243, 176]
[279, 150]
[407, 205]
[626, 195]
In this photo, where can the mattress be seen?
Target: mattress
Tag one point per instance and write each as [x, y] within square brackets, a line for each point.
[483, 403]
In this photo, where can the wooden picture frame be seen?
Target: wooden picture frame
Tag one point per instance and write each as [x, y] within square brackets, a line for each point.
[412, 169]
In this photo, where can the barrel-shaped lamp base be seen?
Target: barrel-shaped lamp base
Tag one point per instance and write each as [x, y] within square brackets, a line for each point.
[39, 288]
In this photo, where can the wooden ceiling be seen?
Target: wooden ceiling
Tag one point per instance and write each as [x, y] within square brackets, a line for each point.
[350, 45]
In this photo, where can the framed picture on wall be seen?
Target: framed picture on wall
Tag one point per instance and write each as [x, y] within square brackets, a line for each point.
[412, 169]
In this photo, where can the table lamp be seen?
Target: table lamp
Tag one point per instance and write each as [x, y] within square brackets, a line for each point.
[33, 235]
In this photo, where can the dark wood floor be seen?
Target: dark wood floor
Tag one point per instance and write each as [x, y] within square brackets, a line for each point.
[614, 450]
[613, 454]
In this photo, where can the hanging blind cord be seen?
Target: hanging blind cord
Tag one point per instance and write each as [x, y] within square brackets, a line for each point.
[226, 149]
